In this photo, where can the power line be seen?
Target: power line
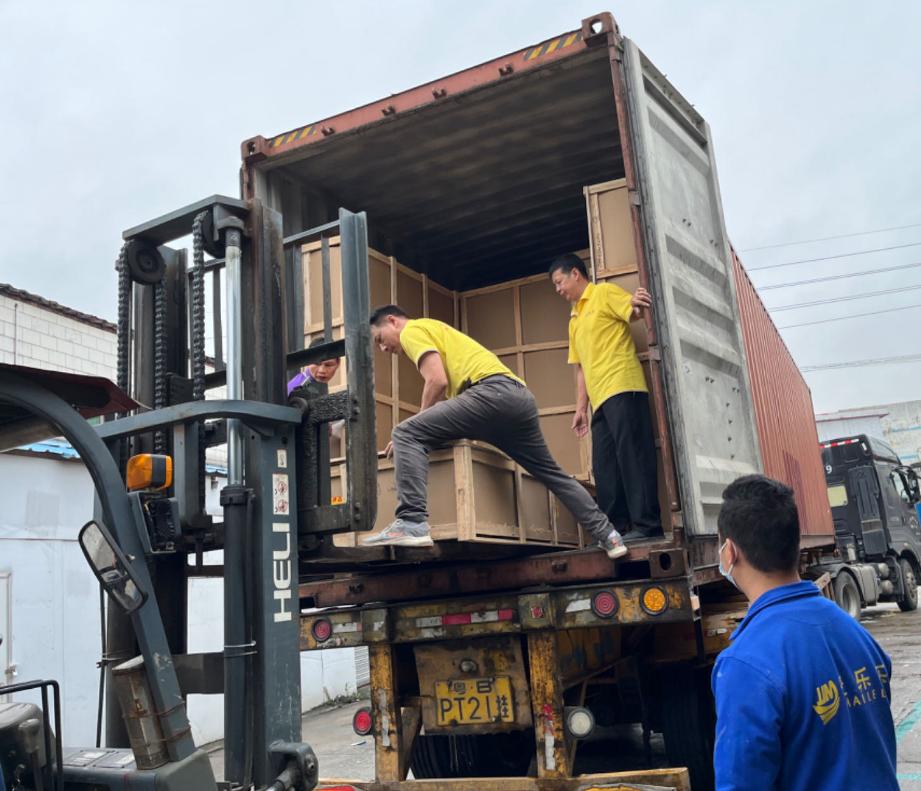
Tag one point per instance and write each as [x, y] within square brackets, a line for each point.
[845, 299]
[841, 277]
[904, 358]
[843, 318]
[830, 238]
[831, 257]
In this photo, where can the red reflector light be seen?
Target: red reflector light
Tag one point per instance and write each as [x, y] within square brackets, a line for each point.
[362, 722]
[322, 630]
[604, 604]
[506, 615]
[456, 618]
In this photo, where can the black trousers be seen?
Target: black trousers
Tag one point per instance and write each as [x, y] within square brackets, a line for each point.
[624, 463]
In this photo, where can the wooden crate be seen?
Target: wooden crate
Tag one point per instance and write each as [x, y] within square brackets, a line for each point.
[476, 493]
[614, 261]
[397, 382]
[613, 249]
[526, 324]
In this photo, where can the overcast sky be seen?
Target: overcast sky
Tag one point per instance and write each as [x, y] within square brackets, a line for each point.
[115, 112]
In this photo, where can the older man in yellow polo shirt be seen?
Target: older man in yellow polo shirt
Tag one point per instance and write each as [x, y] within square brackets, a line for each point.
[468, 394]
[610, 377]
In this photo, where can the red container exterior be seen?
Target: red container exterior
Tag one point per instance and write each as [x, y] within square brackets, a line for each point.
[783, 410]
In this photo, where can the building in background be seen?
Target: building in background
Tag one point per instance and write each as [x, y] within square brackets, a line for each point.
[847, 422]
[49, 598]
[898, 424]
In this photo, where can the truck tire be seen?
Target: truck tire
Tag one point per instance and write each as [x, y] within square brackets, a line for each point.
[437, 756]
[847, 594]
[688, 719]
[909, 600]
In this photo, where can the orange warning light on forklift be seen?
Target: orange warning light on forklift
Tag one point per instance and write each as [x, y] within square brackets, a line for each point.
[149, 471]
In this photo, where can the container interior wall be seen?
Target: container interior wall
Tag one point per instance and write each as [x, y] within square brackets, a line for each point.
[468, 202]
[783, 408]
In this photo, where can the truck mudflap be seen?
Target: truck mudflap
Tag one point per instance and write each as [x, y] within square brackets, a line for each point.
[647, 780]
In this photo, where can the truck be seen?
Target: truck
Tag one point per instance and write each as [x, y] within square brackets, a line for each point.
[502, 664]
[873, 498]
[522, 666]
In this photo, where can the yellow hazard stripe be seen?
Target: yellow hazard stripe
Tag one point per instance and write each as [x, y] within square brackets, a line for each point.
[297, 134]
[551, 46]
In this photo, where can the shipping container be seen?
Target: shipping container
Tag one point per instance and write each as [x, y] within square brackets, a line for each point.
[479, 179]
[784, 412]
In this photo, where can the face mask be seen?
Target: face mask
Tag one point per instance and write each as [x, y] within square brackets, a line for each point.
[727, 573]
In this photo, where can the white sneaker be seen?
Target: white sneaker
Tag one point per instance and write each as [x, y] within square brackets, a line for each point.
[400, 533]
[613, 544]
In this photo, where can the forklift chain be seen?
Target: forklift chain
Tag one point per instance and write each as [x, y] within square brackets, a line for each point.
[160, 360]
[197, 344]
[198, 309]
[123, 333]
[124, 301]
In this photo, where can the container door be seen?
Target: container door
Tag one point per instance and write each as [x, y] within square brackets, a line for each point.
[696, 312]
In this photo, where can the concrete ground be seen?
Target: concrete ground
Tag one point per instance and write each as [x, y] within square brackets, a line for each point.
[899, 633]
[328, 730]
[342, 754]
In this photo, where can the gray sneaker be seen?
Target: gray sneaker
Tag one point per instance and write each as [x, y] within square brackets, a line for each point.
[614, 545]
[400, 533]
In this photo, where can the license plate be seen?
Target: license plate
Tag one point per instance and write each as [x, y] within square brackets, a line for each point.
[472, 701]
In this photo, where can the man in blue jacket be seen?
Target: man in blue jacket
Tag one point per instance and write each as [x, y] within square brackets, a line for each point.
[802, 692]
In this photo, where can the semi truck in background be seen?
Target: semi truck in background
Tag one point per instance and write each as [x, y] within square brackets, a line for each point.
[873, 498]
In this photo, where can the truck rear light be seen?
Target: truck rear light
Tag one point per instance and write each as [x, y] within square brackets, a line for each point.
[580, 722]
[465, 618]
[322, 630]
[604, 604]
[363, 722]
[654, 600]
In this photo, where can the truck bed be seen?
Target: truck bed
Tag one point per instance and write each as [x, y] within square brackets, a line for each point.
[452, 569]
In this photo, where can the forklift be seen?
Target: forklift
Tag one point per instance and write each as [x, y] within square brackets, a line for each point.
[150, 530]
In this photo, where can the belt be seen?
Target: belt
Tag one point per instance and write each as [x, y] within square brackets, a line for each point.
[506, 377]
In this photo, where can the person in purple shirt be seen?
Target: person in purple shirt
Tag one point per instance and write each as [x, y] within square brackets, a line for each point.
[321, 373]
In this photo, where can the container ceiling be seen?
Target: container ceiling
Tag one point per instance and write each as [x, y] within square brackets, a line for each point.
[486, 186]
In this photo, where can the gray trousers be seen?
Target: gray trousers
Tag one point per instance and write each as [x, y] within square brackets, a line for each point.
[502, 412]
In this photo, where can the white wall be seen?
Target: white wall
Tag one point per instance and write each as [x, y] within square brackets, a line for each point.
[55, 598]
[55, 630]
[848, 427]
[32, 335]
[902, 430]
[325, 675]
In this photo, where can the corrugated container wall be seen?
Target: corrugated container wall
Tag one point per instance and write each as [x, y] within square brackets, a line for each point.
[783, 408]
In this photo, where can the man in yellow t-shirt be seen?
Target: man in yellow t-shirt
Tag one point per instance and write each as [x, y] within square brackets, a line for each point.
[468, 394]
[610, 377]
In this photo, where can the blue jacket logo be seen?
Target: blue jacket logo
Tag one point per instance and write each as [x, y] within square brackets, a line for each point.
[828, 701]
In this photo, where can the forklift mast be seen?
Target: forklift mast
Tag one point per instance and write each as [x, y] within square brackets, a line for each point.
[242, 280]
[276, 502]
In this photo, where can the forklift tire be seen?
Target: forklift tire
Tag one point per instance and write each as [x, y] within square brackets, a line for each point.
[688, 720]
[909, 601]
[847, 595]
